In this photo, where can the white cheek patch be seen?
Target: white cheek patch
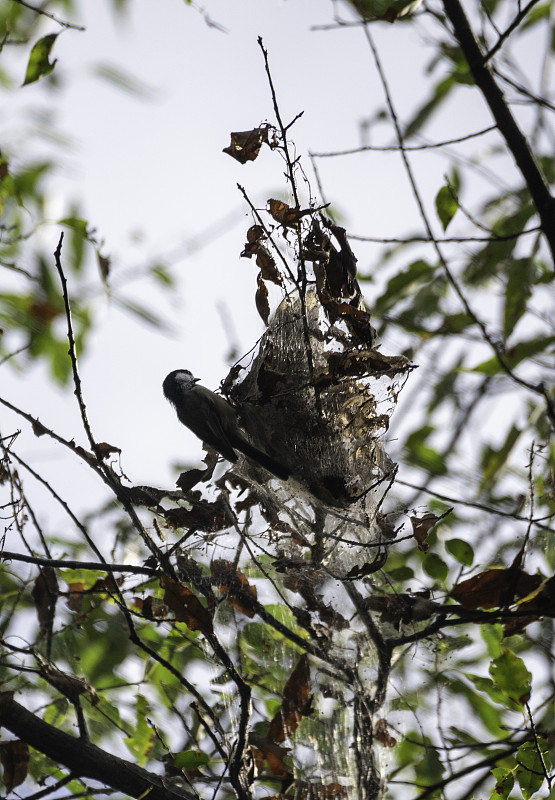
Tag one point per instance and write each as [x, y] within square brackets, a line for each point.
[185, 378]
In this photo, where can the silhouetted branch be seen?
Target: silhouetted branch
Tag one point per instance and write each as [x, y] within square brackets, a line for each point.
[510, 28]
[82, 758]
[49, 14]
[395, 148]
[516, 142]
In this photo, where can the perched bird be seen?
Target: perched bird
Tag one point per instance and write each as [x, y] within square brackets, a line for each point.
[214, 420]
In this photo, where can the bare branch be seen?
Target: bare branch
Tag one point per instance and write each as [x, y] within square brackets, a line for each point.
[51, 16]
[85, 759]
[65, 563]
[395, 148]
[507, 32]
[516, 142]
[546, 198]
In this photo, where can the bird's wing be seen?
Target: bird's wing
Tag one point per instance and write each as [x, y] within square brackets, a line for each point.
[215, 411]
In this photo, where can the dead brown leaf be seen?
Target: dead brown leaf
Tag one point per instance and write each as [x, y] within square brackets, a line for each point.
[14, 756]
[245, 145]
[421, 526]
[261, 300]
[285, 215]
[296, 703]
[494, 588]
[235, 586]
[186, 606]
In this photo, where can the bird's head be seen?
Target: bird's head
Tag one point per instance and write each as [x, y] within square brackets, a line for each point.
[178, 381]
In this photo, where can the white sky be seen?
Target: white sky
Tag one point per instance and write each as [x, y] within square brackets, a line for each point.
[153, 180]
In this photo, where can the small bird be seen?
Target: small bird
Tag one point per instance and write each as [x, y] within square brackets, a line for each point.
[214, 420]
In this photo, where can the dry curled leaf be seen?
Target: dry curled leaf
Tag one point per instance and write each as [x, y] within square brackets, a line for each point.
[75, 597]
[38, 428]
[296, 703]
[245, 145]
[104, 449]
[235, 586]
[382, 735]
[186, 606]
[495, 588]
[261, 300]
[285, 215]
[203, 516]
[265, 749]
[421, 526]
[268, 266]
[14, 756]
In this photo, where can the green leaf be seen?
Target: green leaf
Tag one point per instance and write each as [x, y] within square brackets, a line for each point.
[493, 460]
[455, 323]
[514, 355]
[446, 205]
[505, 782]
[492, 636]
[540, 12]
[490, 261]
[85, 576]
[403, 284]
[78, 237]
[461, 550]
[39, 59]
[163, 275]
[123, 80]
[487, 686]
[489, 714]
[140, 744]
[441, 91]
[143, 313]
[389, 10]
[190, 760]
[450, 644]
[511, 677]
[400, 574]
[419, 453]
[26, 182]
[518, 291]
[530, 769]
[435, 567]
[56, 713]
[429, 769]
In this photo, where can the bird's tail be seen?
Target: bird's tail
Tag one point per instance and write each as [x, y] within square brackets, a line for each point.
[269, 463]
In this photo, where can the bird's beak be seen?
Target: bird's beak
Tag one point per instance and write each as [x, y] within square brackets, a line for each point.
[196, 380]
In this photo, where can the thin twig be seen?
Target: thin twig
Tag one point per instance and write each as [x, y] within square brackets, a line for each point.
[72, 352]
[51, 16]
[514, 138]
[302, 266]
[444, 240]
[507, 32]
[65, 563]
[480, 506]
[267, 233]
[532, 98]
[396, 148]
[107, 473]
[489, 761]
[539, 752]
[543, 198]
[76, 521]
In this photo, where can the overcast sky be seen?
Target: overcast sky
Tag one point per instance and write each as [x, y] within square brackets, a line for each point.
[149, 169]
